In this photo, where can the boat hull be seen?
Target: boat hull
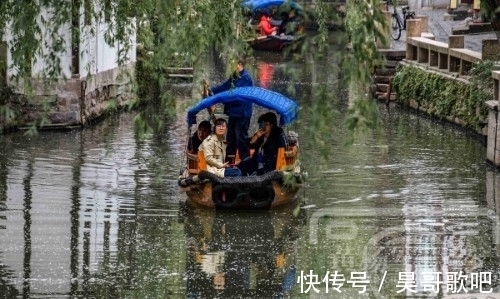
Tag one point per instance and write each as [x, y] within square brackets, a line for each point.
[276, 42]
[247, 193]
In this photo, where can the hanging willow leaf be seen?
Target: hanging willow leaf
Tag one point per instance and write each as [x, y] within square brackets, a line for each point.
[173, 32]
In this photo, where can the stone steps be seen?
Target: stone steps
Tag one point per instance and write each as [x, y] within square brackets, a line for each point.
[184, 73]
[381, 84]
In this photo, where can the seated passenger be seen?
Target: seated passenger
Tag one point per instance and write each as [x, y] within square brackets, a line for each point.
[266, 142]
[214, 149]
[284, 23]
[204, 129]
[265, 25]
[292, 24]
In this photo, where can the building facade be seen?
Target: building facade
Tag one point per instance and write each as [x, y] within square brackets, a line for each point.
[93, 72]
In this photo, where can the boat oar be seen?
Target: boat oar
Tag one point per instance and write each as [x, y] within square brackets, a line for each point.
[208, 92]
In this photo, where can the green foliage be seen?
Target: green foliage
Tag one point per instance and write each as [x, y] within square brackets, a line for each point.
[9, 106]
[366, 25]
[490, 10]
[363, 116]
[480, 75]
[174, 33]
[319, 114]
[446, 97]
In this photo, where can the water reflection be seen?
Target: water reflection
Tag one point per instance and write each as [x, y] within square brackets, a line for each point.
[266, 71]
[95, 213]
[413, 204]
[431, 245]
[251, 257]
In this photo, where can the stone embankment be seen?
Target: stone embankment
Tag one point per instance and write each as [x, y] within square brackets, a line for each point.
[435, 25]
[430, 45]
[70, 103]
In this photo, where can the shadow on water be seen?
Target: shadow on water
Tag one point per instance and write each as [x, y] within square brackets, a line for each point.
[241, 255]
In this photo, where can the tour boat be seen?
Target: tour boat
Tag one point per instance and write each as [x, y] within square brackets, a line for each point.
[275, 8]
[269, 190]
[276, 42]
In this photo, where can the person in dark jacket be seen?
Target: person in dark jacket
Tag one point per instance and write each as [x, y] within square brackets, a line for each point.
[238, 112]
[266, 142]
[204, 130]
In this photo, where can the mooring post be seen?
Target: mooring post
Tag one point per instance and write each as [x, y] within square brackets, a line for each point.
[412, 30]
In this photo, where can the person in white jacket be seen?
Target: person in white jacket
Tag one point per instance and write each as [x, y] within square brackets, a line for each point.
[214, 149]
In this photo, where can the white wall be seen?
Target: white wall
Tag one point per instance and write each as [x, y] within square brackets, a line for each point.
[96, 55]
[8, 39]
[41, 64]
[418, 4]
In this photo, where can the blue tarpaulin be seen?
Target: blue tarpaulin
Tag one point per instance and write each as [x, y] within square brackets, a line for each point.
[285, 107]
[263, 4]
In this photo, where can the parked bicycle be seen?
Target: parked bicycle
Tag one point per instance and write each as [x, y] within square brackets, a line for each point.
[397, 24]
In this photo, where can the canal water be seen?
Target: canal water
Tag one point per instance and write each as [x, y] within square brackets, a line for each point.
[409, 212]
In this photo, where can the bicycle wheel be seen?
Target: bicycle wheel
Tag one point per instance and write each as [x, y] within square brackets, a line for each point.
[395, 27]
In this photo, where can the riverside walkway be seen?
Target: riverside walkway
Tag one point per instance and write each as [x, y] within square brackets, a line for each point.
[442, 29]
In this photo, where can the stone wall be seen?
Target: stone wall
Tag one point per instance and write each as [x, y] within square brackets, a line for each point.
[72, 102]
[55, 104]
[460, 113]
[107, 90]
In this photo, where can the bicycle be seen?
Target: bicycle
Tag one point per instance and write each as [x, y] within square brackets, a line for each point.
[397, 24]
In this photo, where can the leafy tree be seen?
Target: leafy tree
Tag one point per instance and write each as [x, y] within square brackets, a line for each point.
[491, 9]
[175, 32]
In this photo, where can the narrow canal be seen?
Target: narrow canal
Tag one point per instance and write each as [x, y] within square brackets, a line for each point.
[407, 213]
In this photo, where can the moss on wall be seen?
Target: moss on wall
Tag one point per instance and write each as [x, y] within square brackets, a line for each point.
[446, 97]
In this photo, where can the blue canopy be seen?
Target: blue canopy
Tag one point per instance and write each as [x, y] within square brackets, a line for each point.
[263, 4]
[285, 107]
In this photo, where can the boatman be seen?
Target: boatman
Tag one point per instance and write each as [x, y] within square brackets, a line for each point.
[239, 112]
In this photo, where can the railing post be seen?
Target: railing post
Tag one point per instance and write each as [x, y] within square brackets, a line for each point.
[490, 50]
[493, 141]
[413, 28]
[456, 41]
[424, 24]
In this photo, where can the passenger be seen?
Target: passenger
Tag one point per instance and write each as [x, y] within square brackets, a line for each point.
[292, 23]
[239, 112]
[265, 25]
[214, 149]
[284, 23]
[204, 129]
[266, 142]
